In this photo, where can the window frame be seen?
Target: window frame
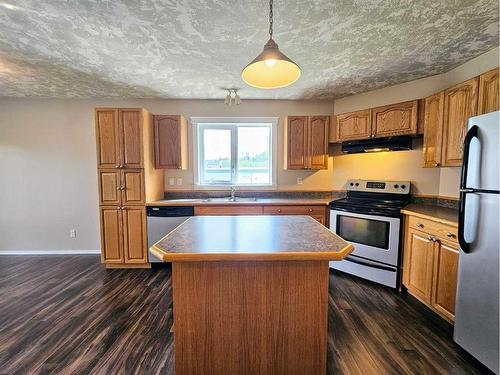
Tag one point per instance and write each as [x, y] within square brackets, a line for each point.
[232, 124]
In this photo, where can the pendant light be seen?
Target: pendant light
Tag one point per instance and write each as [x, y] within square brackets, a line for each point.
[271, 69]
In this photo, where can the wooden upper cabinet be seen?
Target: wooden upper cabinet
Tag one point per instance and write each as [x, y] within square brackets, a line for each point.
[445, 272]
[460, 103]
[488, 92]
[131, 138]
[395, 119]
[296, 145]
[171, 149]
[306, 142]
[119, 138]
[318, 142]
[353, 125]
[433, 129]
[107, 138]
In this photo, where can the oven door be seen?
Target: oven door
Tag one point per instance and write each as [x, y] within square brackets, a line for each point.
[374, 237]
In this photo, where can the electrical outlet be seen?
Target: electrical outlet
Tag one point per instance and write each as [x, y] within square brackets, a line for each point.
[179, 181]
[72, 233]
[171, 181]
[299, 180]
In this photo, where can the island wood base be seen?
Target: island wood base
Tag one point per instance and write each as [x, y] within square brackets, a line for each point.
[250, 317]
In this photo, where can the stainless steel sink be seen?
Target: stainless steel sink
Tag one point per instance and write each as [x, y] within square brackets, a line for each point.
[230, 199]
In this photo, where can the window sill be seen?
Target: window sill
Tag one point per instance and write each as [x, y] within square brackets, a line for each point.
[238, 187]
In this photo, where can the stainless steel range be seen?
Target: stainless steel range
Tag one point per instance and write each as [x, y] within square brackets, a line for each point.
[370, 218]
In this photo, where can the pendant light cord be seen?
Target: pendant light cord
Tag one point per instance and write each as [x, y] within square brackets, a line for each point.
[271, 19]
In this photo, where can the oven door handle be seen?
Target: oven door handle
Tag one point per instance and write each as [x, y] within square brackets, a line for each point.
[350, 258]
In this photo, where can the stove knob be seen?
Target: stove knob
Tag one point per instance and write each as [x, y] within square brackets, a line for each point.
[352, 183]
[403, 186]
[357, 184]
[396, 186]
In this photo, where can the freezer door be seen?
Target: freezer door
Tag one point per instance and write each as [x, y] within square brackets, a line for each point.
[484, 153]
[477, 311]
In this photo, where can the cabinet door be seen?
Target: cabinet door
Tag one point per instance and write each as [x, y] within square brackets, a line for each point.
[433, 129]
[132, 185]
[353, 125]
[488, 92]
[444, 288]
[318, 142]
[109, 186]
[111, 235]
[134, 235]
[460, 103]
[332, 130]
[167, 142]
[107, 138]
[131, 138]
[395, 119]
[418, 264]
[297, 145]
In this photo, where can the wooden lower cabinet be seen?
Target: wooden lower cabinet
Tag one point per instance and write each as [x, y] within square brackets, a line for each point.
[431, 264]
[418, 271]
[444, 289]
[123, 235]
[319, 213]
[111, 235]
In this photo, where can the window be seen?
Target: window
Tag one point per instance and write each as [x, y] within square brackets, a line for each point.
[235, 153]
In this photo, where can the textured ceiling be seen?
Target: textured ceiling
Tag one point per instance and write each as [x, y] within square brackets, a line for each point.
[191, 49]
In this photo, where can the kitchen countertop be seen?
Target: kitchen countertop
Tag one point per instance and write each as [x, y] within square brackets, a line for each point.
[250, 238]
[242, 202]
[437, 213]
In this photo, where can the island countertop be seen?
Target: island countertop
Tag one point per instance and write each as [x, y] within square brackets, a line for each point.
[250, 238]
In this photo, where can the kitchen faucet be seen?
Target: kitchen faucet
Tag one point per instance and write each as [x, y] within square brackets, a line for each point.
[233, 191]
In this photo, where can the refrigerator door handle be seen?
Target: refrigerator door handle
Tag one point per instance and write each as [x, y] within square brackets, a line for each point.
[472, 133]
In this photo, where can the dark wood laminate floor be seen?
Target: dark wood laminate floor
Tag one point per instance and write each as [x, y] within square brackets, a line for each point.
[69, 315]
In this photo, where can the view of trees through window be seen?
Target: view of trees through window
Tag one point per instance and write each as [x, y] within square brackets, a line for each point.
[235, 154]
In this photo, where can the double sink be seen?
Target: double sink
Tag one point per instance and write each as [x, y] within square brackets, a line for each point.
[215, 200]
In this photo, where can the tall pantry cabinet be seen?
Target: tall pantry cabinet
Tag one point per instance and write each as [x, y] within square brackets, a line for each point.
[127, 179]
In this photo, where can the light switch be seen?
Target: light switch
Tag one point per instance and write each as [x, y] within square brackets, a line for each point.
[171, 181]
[179, 181]
[299, 180]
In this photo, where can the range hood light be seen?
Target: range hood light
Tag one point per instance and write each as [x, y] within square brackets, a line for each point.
[379, 149]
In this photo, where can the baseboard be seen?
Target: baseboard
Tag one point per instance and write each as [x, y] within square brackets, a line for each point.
[50, 252]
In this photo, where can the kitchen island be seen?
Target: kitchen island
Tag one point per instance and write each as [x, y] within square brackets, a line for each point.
[250, 293]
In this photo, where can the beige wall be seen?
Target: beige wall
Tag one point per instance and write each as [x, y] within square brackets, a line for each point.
[48, 180]
[406, 164]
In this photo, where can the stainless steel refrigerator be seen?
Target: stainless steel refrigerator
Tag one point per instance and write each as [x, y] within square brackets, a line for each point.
[477, 311]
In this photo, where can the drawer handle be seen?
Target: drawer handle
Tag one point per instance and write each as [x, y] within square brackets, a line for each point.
[419, 225]
[451, 235]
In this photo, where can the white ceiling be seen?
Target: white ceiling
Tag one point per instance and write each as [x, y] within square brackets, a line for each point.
[192, 49]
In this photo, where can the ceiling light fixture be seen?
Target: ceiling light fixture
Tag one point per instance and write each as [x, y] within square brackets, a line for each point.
[232, 96]
[271, 69]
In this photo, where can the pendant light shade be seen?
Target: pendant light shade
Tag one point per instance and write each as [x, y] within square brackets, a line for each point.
[271, 69]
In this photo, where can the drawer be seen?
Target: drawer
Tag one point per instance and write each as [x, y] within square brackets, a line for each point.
[227, 210]
[295, 210]
[443, 231]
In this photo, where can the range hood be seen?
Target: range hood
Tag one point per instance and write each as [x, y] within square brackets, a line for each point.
[399, 143]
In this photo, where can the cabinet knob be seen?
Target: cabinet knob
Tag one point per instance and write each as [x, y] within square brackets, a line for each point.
[436, 164]
[451, 235]
[310, 210]
[419, 225]
[117, 166]
[279, 209]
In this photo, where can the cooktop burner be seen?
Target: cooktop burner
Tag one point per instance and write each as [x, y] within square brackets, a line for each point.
[385, 198]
